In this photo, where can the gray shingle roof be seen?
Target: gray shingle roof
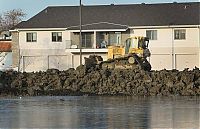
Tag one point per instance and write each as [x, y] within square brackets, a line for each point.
[122, 15]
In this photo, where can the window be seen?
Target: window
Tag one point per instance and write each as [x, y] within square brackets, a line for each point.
[114, 38]
[56, 36]
[31, 37]
[87, 40]
[179, 34]
[151, 34]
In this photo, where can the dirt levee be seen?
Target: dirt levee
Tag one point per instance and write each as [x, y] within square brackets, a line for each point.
[95, 81]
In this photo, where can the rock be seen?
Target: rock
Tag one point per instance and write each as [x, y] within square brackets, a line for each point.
[81, 71]
[1, 86]
[53, 71]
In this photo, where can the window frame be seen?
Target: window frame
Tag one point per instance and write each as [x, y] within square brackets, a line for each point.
[33, 38]
[114, 38]
[153, 34]
[56, 37]
[179, 34]
[87, 40]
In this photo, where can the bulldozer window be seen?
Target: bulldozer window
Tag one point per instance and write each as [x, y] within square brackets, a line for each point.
[127, 45]
[134, 43]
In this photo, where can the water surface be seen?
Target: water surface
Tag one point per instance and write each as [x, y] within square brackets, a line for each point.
[92, 112]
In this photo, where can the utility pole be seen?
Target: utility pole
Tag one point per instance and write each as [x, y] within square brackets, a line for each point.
[80, 35]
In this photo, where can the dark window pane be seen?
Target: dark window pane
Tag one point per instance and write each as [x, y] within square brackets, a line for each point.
[59, 39]
[151, 34]
[179, 34]
[31, 37]
[56, 37]
[28, 37]
[148, 34]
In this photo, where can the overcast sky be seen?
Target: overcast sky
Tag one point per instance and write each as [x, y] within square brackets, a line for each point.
[32, 7]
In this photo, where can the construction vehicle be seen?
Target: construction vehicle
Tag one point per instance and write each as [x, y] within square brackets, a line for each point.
[132, 54]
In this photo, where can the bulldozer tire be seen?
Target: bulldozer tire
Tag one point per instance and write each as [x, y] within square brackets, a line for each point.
[131, 60]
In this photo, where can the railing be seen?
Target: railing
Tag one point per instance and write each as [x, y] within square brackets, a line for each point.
[73, 45]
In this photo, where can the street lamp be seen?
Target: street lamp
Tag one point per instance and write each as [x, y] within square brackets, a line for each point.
[80, 35]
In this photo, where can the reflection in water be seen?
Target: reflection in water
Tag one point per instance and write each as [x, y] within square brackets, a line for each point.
[182, 112]
[100, 112]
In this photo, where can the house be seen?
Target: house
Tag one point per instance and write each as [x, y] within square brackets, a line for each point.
[5, 54]
[50, 39]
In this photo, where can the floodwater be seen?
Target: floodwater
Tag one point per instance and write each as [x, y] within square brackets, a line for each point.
[94, 112]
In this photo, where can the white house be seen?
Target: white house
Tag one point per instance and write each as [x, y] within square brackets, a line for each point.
[50, 39]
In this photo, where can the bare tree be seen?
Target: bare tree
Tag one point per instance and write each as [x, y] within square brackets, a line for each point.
[1, 23]
[11, 18]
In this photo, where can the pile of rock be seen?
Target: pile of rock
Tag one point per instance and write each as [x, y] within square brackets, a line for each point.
[101, 82]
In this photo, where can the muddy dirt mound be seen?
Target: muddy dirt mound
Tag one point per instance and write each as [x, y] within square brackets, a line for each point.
[94, 81]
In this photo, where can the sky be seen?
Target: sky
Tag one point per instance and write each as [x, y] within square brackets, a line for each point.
[32, 7]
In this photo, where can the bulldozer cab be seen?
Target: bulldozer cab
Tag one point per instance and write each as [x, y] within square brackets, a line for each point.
[136, 43]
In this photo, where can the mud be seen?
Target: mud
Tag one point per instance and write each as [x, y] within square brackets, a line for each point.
[93, 81]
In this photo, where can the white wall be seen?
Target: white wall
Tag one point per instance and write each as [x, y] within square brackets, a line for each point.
[166, 52]
[44, 40]
[165, 37]
[169, 53]
[44, 53]
[191, 40]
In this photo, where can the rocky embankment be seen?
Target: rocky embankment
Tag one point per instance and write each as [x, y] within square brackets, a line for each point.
[101, 82]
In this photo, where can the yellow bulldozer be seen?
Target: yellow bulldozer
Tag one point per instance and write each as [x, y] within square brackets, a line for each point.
[132, 54]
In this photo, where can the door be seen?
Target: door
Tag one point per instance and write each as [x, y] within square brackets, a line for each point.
[161, 61]
[186, 61]
[34, 63]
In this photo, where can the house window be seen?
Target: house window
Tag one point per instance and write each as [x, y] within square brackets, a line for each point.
[179, 34]
[56, 36]
[114, 38]
[87, 40]
[151, 34]
[31, 37]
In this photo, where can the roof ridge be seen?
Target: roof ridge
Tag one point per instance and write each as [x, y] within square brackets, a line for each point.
[96, 23]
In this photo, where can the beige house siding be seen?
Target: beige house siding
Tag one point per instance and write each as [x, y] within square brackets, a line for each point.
[168, 53]
[165, 51]
[43, 54]
[44, 40]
